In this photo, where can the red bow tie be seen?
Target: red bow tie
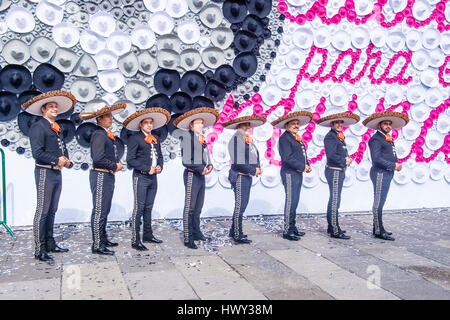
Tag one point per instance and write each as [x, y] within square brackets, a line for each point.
[111, 135]
[150, 139]
[248, 140]
[388, 138]
[55, 127]
[341, 136]
[298, 138]
[201, 139]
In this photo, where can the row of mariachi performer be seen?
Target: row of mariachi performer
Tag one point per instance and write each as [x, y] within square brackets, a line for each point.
[145, 157]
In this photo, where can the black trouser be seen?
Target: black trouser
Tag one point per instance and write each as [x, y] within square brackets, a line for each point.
[48, 185]
[292, 182]
[335, 179]
[241, 190]
[381, 180]
[193, 204]
[102, 188]
[144, 187]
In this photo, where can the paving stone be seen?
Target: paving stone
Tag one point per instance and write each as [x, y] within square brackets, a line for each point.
[212, 278]
[269, 276]
[44, 289]
[93, 281]
[331, 278]
[159, 285]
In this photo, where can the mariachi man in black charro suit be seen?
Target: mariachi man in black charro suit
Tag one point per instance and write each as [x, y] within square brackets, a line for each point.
[145, 157]
[384, 163]
[196, 160]
[294, 162]
[337, 162]
[50, 152]
[105, 163]
[245, 164]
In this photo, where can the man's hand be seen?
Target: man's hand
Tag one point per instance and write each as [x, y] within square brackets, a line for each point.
[152, 170]
[62, 161]
[67, 165]
[308, 169]
[210, 168]
[348, 160]
[119, 167]
[398, 166]
[158, 169]
[258, 172]
[205, 171]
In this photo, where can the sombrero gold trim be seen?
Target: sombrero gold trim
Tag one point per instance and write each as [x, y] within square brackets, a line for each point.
[255, 121]
[398, 119]
[113, 110]
[64, 99]
[160, 117]
[209, 116]
[302, 116]
[347, 117]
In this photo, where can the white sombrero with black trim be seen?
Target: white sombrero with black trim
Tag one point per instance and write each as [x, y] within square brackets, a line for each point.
[347, 117]
[254, 121]
[209, 116]
[398, 119]
[64, 99]
[303, 118]
[159, 116]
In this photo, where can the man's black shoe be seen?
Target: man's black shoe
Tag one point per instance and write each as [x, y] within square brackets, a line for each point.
[139, 247]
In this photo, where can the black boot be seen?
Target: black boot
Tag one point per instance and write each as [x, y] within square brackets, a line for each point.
[291, 236]
[191, 245]
[139, 247]
[103, 250]
[384, 236]
[151, 239]
[242, 240]
[58, 249]
[340, 235]
[111, 244]
[45, 257]
[299, 233]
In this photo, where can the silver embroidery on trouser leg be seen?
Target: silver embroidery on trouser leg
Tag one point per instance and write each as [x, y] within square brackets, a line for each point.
[98, 210]
[237, 205]
[376, 202]
[187, 205]
[334, 195]
[135, 209]
[287, 209]
[39, 210]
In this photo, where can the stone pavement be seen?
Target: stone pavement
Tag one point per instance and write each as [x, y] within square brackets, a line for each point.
[415, 266]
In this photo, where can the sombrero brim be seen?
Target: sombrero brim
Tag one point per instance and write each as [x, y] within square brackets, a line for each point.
[399, 120]
[209, 116]
[160, 117]
[303, 117]
[255, 121]
[115, 109]
[348, 118]
[64, 99]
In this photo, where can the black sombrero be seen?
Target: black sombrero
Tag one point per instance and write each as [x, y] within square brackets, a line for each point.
[15, 78]
[47, 77]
